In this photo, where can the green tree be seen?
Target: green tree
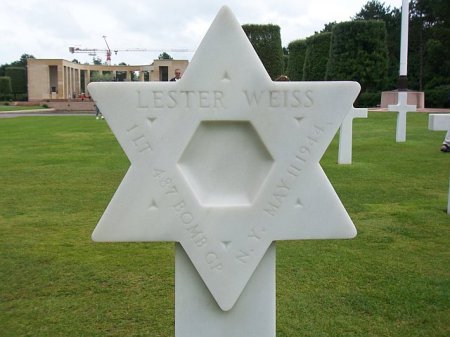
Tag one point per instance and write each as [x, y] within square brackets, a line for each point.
[18, 77]
[17, 72]
[328, 28]
[164, 56]
[121, 75]
[22, 62]
[97, 61]
[429, 32]
[316, 57]
[429, 36]
[358, 52]
[285, 59]
[297, 52]
[266, 40]
[5, 88]
[99, 77]
[375, 10]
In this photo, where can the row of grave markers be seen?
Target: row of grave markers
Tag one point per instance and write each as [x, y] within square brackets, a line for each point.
[437, 122]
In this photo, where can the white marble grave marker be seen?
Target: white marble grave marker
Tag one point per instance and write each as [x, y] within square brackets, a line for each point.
[346, 135]
[440, 122]
[402, 106]
[228, 164]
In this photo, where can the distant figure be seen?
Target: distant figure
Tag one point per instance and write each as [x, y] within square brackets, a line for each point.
[282, 78]
[98, 114]
[446, 144]
[177, 75]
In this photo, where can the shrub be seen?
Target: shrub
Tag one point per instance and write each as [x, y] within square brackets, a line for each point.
[358, 52]
[297, 52]
[266, 40]
[99, 77]
[21, 97]
[368, 99]
[316, 57]
[438, 97]
[5, 87]
[18, 77]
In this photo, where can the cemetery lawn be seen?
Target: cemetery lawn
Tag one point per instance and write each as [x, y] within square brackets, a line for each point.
[57, 175]
[8, 108]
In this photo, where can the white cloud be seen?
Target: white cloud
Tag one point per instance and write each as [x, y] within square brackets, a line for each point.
[46, 28]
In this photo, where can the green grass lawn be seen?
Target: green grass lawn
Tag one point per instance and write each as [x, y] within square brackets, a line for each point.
[57, 175]
[13, 108]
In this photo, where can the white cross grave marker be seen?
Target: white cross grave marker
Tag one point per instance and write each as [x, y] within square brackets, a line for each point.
[224, 161]
[346, 135]
[402, 99]
[402, 108]
[440, 122]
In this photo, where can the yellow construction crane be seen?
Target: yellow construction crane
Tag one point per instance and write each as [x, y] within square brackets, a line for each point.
[107, 51]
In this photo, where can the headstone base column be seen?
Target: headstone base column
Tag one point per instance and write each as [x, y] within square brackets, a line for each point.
[198, 315]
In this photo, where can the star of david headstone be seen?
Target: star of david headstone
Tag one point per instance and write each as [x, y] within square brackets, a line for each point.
[224, 161]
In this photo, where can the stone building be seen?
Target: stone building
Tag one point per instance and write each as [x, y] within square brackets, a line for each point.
[57, 79]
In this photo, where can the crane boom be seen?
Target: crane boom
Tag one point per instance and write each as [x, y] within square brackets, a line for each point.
[176, 50]
[94, 51]
[89, 50]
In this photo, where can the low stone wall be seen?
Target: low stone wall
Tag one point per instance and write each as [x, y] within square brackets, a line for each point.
[26, 103]
[71, 105]
[416, 98]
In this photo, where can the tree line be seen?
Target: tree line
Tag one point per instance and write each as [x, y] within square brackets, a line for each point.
[365, 49]
[13, 79]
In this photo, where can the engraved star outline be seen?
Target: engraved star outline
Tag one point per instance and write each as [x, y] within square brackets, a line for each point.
[154, 202]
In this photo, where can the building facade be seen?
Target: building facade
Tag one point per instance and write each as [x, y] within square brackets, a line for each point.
[57, 79]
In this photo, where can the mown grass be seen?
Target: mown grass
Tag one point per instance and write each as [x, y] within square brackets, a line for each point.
[7, 108]
[57, 174]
